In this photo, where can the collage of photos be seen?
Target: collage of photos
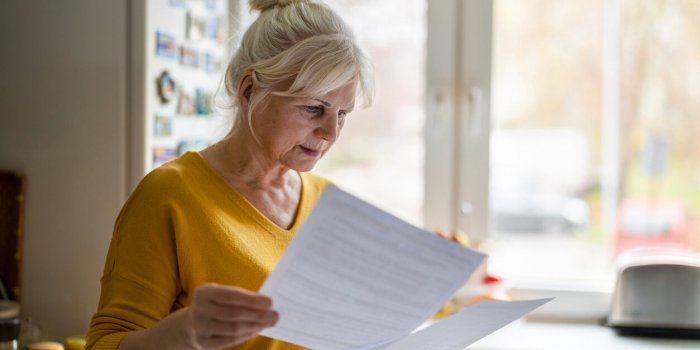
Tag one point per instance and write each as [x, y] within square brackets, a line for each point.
[189, 57]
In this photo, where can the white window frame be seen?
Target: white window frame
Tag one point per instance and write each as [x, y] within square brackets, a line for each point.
[457, 129]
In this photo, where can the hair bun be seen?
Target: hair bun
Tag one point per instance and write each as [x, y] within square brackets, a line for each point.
[262, 5]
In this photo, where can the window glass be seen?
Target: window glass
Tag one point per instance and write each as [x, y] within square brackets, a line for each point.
[547, 147]
[660, 150]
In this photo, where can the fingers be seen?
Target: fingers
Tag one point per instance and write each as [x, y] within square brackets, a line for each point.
[454, 236]
[235, 313]
[210, 328]
[232, 296]
[233, 304]
[223, 315]
[213, 334]
[443, 234]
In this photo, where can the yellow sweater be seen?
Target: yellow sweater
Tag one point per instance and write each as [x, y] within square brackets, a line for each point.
[183, 226]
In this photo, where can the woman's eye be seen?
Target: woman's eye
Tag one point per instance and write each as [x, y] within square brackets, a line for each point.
[342, 114]
[312, 109]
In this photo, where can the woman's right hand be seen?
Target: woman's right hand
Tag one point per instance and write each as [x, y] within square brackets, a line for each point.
[219, 317]
[222, 316]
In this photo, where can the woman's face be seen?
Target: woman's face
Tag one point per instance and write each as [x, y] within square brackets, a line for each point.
[297, 132]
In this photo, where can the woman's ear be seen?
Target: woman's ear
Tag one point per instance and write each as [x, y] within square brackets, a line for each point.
[245, 89]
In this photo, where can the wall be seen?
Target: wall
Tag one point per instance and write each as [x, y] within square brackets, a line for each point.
[63, 124]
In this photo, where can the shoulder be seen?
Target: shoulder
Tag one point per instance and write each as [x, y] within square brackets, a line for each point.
[173, 173]
[168, 181]
[164, 188]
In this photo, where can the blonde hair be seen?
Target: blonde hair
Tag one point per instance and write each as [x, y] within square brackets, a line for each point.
[297, 48]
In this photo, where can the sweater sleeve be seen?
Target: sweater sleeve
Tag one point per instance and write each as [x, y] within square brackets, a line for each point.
[140, 282]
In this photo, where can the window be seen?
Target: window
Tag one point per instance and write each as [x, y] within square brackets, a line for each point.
[547, 157]
[560, 133]
[592, 153]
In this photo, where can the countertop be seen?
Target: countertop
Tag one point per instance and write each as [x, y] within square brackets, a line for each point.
[529, 335]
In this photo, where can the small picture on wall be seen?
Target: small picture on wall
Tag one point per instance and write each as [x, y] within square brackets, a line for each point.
[163, 126]
[194, 27]
[211, 27]
[166, 87]
[163, 154]
[185, 104]
[165, 45]
[212, 62]
[203, 102]
[189, 57]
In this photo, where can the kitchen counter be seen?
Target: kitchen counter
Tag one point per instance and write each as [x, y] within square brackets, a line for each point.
[528, 335]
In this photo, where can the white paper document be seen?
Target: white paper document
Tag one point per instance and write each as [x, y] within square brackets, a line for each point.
[355, 277]
[458, 331]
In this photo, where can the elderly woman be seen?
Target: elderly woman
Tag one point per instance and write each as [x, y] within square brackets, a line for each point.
[199, 235]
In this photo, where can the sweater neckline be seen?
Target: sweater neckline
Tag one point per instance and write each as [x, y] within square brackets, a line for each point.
[247, 207]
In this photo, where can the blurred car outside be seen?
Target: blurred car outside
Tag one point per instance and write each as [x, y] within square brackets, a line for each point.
[537, 178]
[652, 224]
[538, 212]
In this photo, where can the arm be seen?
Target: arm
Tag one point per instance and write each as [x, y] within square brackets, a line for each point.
[141, 285]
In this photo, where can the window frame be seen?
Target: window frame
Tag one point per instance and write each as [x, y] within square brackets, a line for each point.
[458, 122]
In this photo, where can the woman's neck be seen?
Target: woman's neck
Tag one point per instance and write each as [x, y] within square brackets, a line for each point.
[241, 162]
[275, 191]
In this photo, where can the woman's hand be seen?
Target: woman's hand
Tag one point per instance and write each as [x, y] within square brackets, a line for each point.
[219, 317]
[456, 236]
[222, 316]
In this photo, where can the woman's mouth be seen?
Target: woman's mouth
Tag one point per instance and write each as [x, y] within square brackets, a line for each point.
[310, 152]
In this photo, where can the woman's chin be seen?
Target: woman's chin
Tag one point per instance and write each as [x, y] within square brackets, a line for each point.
[305, 168]
[302, 166]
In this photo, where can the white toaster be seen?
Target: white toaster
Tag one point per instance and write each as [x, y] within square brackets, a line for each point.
[657, 295]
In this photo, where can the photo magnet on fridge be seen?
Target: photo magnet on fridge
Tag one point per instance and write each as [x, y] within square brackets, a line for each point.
[189, 57]
[212, 62]
[194, 26]
[203, 102]
[163, 154]
[165, 45]
[185, 104]
[163, 126]
[166, 87]
[211, 27]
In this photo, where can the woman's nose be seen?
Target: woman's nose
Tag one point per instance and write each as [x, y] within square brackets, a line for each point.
[328, 128]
